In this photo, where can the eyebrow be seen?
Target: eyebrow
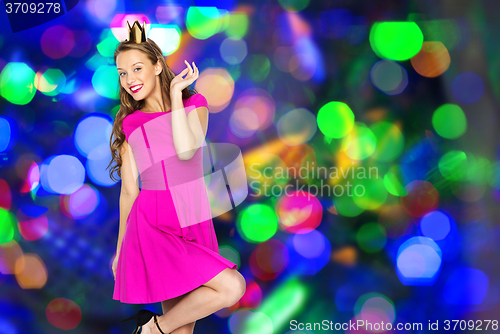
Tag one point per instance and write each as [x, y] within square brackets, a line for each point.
[132, 64]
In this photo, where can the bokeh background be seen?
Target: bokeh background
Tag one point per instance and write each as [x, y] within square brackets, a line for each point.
[407, 88]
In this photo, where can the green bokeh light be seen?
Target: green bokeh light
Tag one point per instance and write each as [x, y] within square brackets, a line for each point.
[335, 119]
[360, 143]
[393, 182]
[56, 79]
[237, 25]
[345, 206]
[390, 141]
[284, 303]
[107, 46]
[231, 254]
[456, 165]
[257, 223]
[396, 40]
[259, 67]
[371, 237]
[17, 83]
[6, 226]
[361, 147]
[449, 121]
[255, 322]
[447, 31]
[204, 22]
[105, 82]
[374, 194]
[453, 165]
[294, 5]
[479, 170]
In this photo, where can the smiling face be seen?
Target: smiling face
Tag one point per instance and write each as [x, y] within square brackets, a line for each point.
[137, 74]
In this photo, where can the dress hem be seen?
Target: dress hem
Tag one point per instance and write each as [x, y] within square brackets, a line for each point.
[233, 266]
[163, 299]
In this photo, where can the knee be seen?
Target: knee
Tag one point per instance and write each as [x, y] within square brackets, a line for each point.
[236, 289]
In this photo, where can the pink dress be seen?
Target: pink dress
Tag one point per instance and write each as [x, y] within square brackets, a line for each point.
[169, 247]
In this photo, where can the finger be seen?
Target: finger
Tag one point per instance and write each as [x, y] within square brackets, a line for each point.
[195, 72]
[183, 72]
[190, 69]
[193, 77]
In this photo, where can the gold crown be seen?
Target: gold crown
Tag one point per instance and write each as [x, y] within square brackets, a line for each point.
[136, 33]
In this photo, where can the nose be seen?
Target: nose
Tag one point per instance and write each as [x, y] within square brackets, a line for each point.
[131, 80]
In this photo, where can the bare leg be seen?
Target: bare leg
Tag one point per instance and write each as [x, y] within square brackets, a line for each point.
[166, 305]
[224, 290]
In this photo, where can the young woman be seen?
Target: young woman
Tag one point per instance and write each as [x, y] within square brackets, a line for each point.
[167, 248]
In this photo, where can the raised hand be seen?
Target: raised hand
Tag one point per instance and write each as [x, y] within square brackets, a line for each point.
[179, 83]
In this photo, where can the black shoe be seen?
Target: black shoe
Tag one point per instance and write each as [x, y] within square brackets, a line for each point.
[142, 317]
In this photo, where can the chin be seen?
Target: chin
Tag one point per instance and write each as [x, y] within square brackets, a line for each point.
[145, 94]
[134, 96]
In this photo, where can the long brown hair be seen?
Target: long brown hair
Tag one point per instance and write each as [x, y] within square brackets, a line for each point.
[127, 103]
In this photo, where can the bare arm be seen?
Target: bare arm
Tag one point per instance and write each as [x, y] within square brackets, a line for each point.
[188, 131]
[129, 189]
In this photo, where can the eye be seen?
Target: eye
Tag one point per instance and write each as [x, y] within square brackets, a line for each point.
[137, 68]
